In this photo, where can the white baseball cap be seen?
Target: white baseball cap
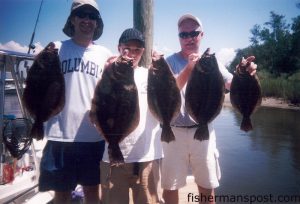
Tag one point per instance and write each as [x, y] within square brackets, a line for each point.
[192, 17]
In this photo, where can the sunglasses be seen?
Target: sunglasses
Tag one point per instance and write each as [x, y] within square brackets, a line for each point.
[192, 34]
[83, 14]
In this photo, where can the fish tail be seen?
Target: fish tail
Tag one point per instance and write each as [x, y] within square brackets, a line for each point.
[202, 132]
[246, 124]
[167, 134]
[37, 130]
[115, 155]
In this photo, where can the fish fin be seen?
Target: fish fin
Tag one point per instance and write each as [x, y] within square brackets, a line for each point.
[115, 155]
[37, 130]
[202, 132]
[167, 134]
[246, 124]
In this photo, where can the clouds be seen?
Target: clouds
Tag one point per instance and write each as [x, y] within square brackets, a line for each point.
[226, 55]
[165, 50]
[14, 46]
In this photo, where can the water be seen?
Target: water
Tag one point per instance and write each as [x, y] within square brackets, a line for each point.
[265, 161]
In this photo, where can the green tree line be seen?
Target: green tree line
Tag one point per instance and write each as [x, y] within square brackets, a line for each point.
[276, 46]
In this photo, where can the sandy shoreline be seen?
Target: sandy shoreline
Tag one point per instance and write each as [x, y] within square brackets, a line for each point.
[268, 102]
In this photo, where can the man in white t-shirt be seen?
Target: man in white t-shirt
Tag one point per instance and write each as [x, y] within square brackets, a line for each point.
[186, 152]
[74, 148]
[142, 148]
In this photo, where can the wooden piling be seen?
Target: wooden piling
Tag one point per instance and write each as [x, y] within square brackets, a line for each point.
[143, 21]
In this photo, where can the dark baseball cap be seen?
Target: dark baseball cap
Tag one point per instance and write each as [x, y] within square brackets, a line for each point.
[132, 34]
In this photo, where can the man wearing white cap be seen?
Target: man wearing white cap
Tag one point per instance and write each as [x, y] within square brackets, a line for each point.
[74, 148]
[186, 152]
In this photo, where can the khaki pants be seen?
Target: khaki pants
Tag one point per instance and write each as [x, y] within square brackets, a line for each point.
[143, 181]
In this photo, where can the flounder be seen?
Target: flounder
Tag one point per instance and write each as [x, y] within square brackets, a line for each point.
[115, 106]
[164, 99]
[44, 94]
[205, 93]
[245, 95]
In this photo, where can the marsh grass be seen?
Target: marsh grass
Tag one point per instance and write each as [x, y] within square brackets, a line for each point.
[284, 86]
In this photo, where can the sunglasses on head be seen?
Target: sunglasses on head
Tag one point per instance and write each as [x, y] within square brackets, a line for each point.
[84, 14]
[192, 34]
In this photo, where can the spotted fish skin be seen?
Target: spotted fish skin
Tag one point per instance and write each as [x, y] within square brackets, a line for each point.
[44, 94]
[115, 106]
[245, 95]
[205, 92]
[164, 99]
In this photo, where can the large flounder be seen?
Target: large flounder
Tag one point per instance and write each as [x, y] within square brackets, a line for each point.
[245, 95]
[163, 96]
[44, 94]
[205, 93]
[115, 106]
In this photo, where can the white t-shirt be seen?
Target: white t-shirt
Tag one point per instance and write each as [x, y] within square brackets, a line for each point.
[82, 68]
[144, 143]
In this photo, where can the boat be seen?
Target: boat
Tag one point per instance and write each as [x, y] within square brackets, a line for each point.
[18, 176]
[10, 87]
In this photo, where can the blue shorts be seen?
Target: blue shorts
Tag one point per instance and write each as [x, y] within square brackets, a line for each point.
[66, 164]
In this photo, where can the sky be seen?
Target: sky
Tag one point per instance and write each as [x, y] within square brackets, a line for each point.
[226, 23]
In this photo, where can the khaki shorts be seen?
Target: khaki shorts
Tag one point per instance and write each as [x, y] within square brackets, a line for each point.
[186, 155]
[143, 181]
